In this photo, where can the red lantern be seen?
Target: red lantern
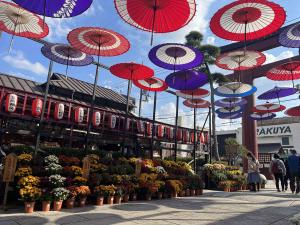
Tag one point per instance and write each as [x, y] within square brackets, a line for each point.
[201, 137]
[179, 135]
[140, 126]
[11, 103]
[59, 111]
[37, 105]
[149, 129]
[96, 119]
[160, 131]
[79, 114]
[112, 121]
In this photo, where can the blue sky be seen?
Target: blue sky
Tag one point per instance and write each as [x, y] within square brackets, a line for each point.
[26, 60]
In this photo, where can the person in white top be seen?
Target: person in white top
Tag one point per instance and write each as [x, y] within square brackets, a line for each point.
[253, 172]
[277, 168]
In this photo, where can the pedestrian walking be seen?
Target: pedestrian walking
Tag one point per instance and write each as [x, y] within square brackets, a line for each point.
[277, 168]
[284, 157]
[253, 172]
[294, 164]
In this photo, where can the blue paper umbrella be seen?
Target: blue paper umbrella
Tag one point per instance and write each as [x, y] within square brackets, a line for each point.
[235, 89]
[229, 110]
[230, 102]
[262, 116]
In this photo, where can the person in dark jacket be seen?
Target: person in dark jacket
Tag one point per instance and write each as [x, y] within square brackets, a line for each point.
[278, 170]
[294, 163]
[283, 156]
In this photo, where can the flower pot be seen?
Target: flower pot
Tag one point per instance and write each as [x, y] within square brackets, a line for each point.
[110, 200]
[182, 194]
[70, 203]
[133, 197]
[187, 192]
[57, 205]
[148, 197]
[199, 192]
[29, 207]
[99, 201]
[82, 201]
[159, 195]
[125, 198]
[117, 199]
[226, 189]
[46, 206]
[193, 192]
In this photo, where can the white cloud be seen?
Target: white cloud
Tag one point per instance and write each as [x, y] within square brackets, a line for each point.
[58, 28]
[17, 60]
[283, 55]
[210, 40]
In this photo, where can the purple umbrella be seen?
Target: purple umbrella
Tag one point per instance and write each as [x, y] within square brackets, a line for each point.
[186, 80]
[173, 56]
[57, 8]
[262, 116]
[277, 92]
[231, 102]
[66, 55]
[230, 116]
[290, 37]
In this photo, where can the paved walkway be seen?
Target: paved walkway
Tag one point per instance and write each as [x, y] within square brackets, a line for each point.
[214, 208]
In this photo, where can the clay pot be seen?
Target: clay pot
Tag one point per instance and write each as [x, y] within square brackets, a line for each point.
[110, 200]
[199, 192]
[82, 201]
[193, 192]
[99, 201]
[159, 195]
[182, 194]
[29, 207]
[226, 189]
[117, 199]
[187, 192]
[133, 197]
[57, 205]
[148, 197]
[126, 198]
[46, 206]
[70, 203]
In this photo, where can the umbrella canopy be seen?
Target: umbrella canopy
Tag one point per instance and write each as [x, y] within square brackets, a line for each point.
[230, 116]
[240, 60]
[196, 103]
[20, 22]
[186, 80]
[235, 89]
[193, 94]
[66, 55]
[231, 102]
[268, 108]
[131, 71]
[151, 84]
[173, 56]
[57, 8]
[277, 92]
[294, 111]
[290, 37]
[156, 16]
[98, 41]
[247, 20]
[262, 116]
[229, 110]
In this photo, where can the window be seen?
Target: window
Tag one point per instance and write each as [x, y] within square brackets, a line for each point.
[285, 141]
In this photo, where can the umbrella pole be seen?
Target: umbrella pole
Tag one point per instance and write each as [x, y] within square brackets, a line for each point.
[44, 16]
[210, 127]
[13, 36]
[153, 125]
[140, 103]
[38, 135]
[195, 144]
[127, 112]
[153, 22]
[176, 127]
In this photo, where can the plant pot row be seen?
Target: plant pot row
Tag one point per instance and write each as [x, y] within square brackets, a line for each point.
[190, 192]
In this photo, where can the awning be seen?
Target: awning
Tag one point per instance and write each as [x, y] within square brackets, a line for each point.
[269, 148]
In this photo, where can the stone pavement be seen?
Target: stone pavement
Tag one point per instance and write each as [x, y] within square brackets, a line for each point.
[214, 208]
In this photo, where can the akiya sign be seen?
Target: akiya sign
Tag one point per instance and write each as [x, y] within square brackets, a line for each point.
[274, 131]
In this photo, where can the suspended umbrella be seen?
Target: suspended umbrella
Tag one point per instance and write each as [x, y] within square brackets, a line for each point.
[232, 116]
[57, 8]
[196, 103]
[66, 55]
[268, 108]
[235, 89]
[231, 102]
[151, 84]
[286, 71]
[173, 56]
[247, 20]
[230, 110]
[20, 22]
[100, 42]
[156, 16]
[277, 92]
[240, 60]
[193, 94]
[262, 116]
[186, 80]
[294, 111]
[290, 37]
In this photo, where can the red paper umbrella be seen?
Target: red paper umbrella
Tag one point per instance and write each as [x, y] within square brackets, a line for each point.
[295, 111]
[268, 108]
[156, 16]
[151, 84]
[247, 20]
[286, 71]
[196, 103]
[193, 94]
[131, 71]
[240, 60]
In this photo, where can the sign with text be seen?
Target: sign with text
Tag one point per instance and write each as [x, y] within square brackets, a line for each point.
[274, 131]
[10, 167]
[86, 167]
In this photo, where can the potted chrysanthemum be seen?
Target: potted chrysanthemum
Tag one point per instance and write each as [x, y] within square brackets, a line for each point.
[29, 194]
[59, 195]
[82, 192]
